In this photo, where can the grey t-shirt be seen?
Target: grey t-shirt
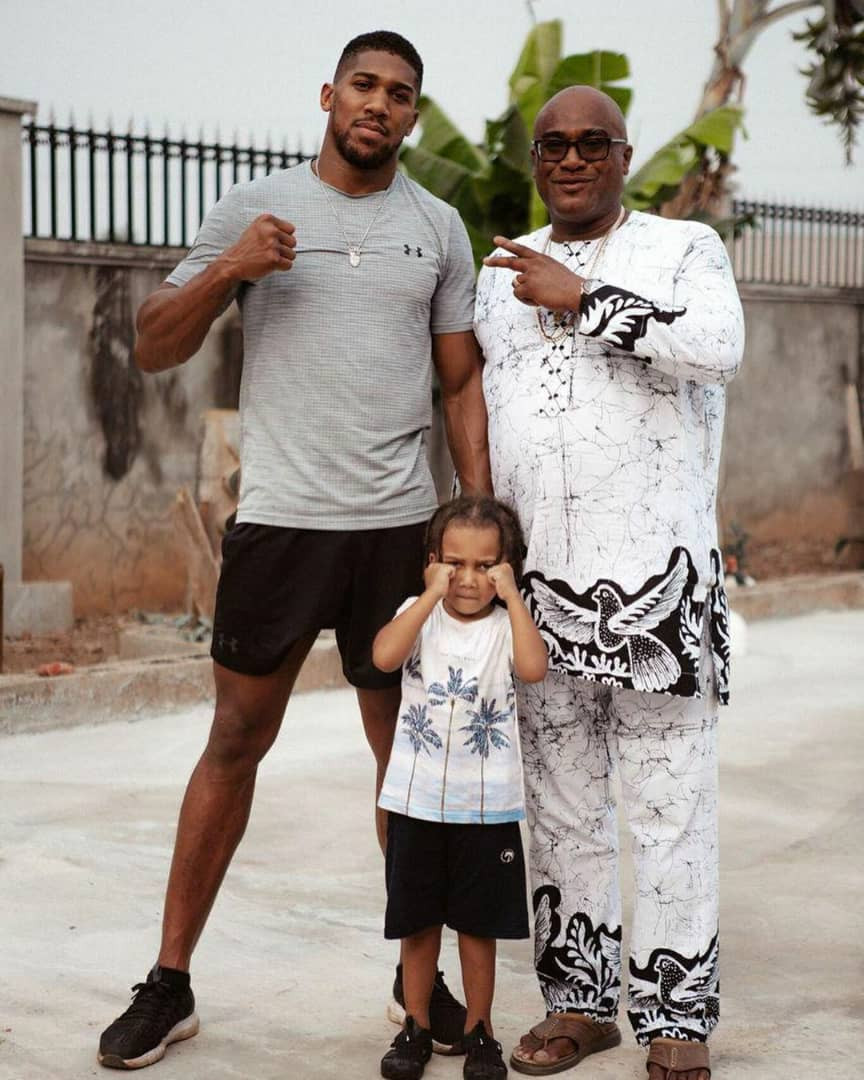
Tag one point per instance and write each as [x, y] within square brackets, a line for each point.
[336, 389]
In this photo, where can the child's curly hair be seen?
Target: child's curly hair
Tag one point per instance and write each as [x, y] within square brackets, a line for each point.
[480, 511]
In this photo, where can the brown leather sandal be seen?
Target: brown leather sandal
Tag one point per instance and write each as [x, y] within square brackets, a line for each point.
[587, 1035]
[678, 1056]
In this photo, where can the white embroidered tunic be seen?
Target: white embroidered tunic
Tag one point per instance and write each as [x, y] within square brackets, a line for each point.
[607, 443]
[456, 754]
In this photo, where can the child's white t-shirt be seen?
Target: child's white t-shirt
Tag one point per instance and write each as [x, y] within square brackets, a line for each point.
[456, 754]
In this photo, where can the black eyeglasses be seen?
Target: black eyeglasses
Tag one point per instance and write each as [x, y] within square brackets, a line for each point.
[589, 148]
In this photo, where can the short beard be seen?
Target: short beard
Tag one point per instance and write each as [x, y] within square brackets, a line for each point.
[372, 159]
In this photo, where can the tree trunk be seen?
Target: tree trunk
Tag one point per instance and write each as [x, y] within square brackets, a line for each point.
[707, 189]
[739, 28]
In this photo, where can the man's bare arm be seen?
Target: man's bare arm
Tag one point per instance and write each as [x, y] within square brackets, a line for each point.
[459, 365]
[173, 322]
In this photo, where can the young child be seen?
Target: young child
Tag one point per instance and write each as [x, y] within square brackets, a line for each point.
[453, 786]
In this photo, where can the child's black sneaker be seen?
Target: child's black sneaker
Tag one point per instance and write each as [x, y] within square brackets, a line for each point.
[446, 1014]
[483, 1060]
[410, 1050]
[162, 1012]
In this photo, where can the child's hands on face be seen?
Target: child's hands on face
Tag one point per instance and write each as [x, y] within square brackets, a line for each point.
[437, 577]
[501, 576]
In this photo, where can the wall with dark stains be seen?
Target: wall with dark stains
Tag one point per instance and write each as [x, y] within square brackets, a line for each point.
[105, 446]
[785, 478]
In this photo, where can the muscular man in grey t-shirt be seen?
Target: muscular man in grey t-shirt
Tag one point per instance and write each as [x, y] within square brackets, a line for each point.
[353, 282]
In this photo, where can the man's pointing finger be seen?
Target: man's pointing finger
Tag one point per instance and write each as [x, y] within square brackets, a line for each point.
[505, 261]
[511, 245]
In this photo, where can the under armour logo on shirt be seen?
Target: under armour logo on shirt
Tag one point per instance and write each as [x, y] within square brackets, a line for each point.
[408, 249]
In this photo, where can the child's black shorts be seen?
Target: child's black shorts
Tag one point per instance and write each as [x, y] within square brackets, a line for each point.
[279, 584]
[468, 877]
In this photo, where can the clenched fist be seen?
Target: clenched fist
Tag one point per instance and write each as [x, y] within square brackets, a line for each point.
[268, 244]
[502, 577]
[436, 578]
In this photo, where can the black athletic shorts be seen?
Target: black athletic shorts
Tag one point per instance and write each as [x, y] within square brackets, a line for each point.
[279, 584]
[468, 877]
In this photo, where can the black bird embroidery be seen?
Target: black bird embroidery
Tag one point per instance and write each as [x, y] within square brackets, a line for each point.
[612, 626]
[680, 984]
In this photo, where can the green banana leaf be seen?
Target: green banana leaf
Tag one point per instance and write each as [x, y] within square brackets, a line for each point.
[441, 136]
[661, 176]
[537, 62]
[507, 140]
[717, 128]
[447, 179]
[599, 69]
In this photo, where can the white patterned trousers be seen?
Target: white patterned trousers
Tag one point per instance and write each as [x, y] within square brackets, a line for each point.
[575, 736]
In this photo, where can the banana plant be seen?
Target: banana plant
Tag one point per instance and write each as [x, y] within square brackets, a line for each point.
[697, 155]
[491, 184]
[541, 72]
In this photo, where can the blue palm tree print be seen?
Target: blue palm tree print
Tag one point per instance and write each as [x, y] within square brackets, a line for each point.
[457, 689]
[421, 734]
[484, 736]
[412, 666]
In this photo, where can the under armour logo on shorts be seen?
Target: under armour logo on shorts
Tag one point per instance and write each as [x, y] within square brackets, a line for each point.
[508, 855]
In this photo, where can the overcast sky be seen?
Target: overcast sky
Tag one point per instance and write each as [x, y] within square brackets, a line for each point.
[258, 66]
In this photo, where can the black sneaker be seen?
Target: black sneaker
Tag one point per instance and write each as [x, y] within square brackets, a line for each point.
[483, 1060]
[162, 1012]
[410, 1050]
[446, 1014]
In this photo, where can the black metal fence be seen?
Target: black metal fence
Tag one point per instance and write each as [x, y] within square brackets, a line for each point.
[130, 189]
[799, 245]
[147, 190]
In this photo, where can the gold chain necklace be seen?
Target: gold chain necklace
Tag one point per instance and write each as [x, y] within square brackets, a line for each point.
[566, 324]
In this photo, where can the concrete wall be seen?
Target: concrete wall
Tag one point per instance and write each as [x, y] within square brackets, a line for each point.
[106, 447]
[785, 469]
[11, 335]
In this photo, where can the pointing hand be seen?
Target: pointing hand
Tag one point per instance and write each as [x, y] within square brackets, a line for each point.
[539, 279]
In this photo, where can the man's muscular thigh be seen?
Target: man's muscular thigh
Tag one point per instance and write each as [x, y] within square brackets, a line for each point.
[249, 709]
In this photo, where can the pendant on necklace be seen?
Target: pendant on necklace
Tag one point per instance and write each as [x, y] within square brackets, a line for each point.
[354, 254]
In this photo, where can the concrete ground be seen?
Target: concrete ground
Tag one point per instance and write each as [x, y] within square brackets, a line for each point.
[292, 974]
